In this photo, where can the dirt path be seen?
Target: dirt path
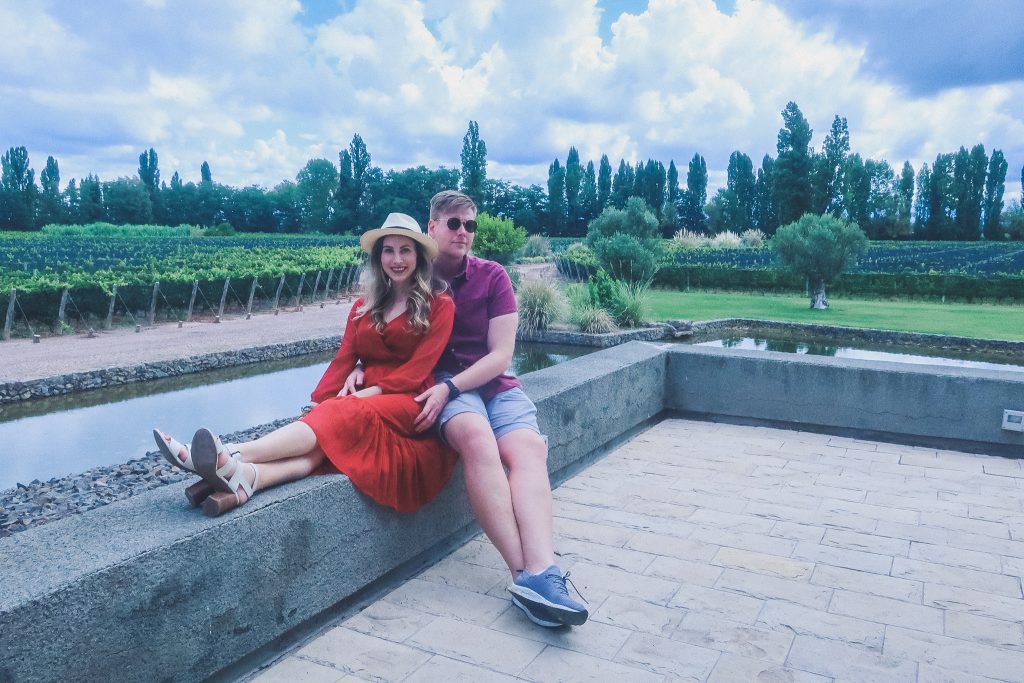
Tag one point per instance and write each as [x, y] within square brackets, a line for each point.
[22, 360]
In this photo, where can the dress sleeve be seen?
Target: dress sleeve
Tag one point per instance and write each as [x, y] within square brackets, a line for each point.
[410, 375]
[344, 362]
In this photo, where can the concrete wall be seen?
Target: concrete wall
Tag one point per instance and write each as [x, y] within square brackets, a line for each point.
[149, 590]
[955, 407]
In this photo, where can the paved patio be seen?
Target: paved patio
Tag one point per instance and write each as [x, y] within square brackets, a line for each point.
[721, 553]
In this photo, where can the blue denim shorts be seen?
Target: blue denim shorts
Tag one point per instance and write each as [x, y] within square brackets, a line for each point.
[508, 411]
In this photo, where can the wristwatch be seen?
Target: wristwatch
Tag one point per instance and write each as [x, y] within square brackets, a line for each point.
[453, 391]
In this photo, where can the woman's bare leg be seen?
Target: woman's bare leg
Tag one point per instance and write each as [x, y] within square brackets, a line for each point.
[291, 441]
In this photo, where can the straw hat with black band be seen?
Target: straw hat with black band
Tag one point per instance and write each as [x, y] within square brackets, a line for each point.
[402, 225]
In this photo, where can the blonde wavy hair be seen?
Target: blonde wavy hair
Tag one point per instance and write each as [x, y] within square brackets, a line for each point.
[380, 295]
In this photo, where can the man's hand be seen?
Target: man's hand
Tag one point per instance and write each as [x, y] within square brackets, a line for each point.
[354, 382]
[433, 400]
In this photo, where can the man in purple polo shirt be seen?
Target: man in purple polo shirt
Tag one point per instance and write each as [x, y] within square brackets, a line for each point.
[484, 414]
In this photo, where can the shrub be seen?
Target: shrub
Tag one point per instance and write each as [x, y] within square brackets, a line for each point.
[726, 240]
[627, 258]
[540, 304]
[630, 307]
[753, 239]
[577, 262]
[591, 319]
[537, 246]
[497, 239]
[1012, 223]
[687, 239]
[224, 229]
[602, 290]
[111, 230]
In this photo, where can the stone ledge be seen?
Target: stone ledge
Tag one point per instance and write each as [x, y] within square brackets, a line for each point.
[147, 589]
[11, 392]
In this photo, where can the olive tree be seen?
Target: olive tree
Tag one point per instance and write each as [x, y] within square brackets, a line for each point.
[819, 248]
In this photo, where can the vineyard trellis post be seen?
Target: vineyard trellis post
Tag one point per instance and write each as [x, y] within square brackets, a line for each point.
[277, 296]
[152, 304]
[327, 285]
[298, 298]
[62, 309]
[109, 322]
[252, 293]
[9, 320]
[192, 301]
[316, 286]
[223, 299]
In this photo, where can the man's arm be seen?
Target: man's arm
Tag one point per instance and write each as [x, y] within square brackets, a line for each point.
[501, 344]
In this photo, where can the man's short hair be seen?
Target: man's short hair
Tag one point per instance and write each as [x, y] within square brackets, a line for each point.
[450, 200]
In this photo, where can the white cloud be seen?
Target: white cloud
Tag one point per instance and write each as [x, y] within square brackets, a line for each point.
[250, 89]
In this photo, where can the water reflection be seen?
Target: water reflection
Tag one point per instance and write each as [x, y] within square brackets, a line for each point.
[817, 348]
[58, 436]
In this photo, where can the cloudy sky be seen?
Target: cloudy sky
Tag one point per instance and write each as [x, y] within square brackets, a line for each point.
[258, 87]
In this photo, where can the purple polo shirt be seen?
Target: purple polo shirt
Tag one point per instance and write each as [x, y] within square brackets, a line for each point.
[481, 291]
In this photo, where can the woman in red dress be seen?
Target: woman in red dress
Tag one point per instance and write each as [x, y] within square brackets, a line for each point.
[397, 332]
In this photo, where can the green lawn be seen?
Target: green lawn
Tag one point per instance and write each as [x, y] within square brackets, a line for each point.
[965, 320]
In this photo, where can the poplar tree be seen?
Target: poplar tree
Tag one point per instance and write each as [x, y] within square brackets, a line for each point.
[670, 221]
[588, 199]
[474, 163]
[995, 183]
[90, 200]
[573, 181]
[51, 204]
[17, 190]
[905, 191]
[827, 178]
[622, 185]
[556, 198]
[793, 165]
[149, 174]
[691, 204]
[922, 205]
[766, 211]
[604, 183]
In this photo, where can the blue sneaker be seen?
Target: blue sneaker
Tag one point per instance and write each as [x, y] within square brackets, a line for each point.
[545, 599]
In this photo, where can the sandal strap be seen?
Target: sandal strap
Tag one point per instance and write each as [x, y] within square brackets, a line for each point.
[238, 479]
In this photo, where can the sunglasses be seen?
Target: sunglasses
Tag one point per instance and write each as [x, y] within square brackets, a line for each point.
[454, 223]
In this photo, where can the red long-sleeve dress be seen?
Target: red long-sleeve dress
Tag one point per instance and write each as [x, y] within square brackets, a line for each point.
[373, 440]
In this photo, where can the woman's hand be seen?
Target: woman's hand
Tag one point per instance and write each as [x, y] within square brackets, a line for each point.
[354, 382]
[433, 400]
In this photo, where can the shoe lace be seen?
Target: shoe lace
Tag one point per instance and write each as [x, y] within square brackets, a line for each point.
[560, 582]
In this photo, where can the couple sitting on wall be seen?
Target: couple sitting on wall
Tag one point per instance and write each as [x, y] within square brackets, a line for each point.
[417, 383]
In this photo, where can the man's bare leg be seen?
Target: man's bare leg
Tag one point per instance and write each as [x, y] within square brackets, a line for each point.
[525, 454]
[488, 486]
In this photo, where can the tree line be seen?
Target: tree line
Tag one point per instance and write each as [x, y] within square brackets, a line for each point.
[960, 196]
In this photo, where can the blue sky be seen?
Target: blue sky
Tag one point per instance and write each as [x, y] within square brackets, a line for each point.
[259, 87]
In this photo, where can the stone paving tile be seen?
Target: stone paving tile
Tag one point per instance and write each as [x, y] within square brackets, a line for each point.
[440, 668]
[969, 559]
[447, 601]
[389, 621]
[485, 647]
[770, 587]
[720, 553]
[954, 654]
[685, 571]
[638, 615]
[733, 668]
[732, 606]
[841, 557]
[569, 551]
[785, 616]
[866, 582]
[362, 655]
[985, 630]
[730, 636]
[998, 584]
[296, 670]
[739, 540]
[887, 611]
[839, 660]
[668, 658]
[597, 638]
[555, 664]
[470, 577]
